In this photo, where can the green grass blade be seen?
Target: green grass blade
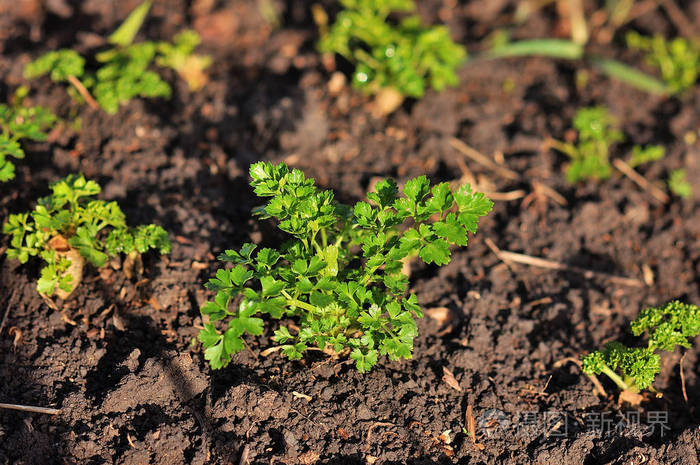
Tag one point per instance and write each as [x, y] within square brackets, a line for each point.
[125, 33]
[630, 75]
[554, 48]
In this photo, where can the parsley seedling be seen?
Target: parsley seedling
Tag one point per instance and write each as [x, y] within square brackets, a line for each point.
[180, 56]
[634, 369]
[125, 74]
[679, 185]
[678, 60]
[17, 123]
[60, 65]
[340, 273]
[590, 156]
[125, 70]
[69, 227]
[641, 155]
[405, 56]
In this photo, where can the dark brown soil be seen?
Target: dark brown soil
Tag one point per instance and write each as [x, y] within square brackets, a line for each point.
[119, 359]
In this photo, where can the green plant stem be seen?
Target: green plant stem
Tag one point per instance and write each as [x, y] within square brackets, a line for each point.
[315, 244]
[324, 239]
[298, 303]
[629, 75]
[563, 147]
[620, 12]
[361, 55]
[554, 48]
[616, 379]
[368, 277]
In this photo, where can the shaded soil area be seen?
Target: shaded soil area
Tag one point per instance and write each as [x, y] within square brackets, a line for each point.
[121, 361]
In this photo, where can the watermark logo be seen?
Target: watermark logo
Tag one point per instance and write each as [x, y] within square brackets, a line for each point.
[526, 424]
[494, 421]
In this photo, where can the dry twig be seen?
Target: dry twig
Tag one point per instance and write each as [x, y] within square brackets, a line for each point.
[84, 92]
[639, 8]
[549, 192]
[244, 455]
[29, 408]
[506, 196]
[369, 432]
[641, 181]
[471, 427]
[679, 19]
[504, 172]
[483, 159]
[299, 395]
[523, 259]
[685, 394]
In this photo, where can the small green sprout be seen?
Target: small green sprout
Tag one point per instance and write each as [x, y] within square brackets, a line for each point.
[679, 185]
[406, 56]
[124, 75]
[69, 227]
[60, 65]
[340, 273]
[641, 155]
[17, 123]
[590, 156]
[678, 60]
[634, 369]
[124, 35]
[125, 70]
[180, 56]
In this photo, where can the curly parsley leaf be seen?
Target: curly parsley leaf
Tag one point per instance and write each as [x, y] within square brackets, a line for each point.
[340, 273]
[634, 369]
[71, 225]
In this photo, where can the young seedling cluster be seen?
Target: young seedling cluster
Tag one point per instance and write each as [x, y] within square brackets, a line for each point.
[635, 368]
[69, 228]
[403, 56]
[340, 273]
[125, 69]
[679, 185]
[590, 155]
[642, 155]
[180, 56]
[678, 60]
[17, 123]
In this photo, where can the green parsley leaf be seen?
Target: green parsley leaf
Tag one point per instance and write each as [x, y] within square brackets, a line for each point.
[339, 274]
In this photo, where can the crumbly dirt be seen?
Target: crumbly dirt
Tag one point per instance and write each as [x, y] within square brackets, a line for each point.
[119, 360]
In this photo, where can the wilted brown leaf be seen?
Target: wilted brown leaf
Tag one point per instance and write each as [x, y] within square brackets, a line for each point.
[449, 378]
[471, 427]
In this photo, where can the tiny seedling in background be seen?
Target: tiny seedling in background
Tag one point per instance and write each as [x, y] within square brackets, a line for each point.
[69, 228]
[679, 185]
[125, 68]
[641, 155]
[590, 155]
[402, 57]
[635, 368]
[180, 56]
[677, 60]
[125, 74]
[17, 123]
[340, 273]
[500, 46]
[63, 65]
